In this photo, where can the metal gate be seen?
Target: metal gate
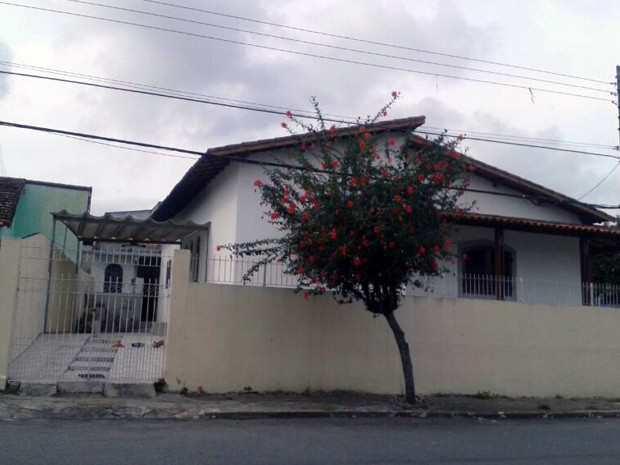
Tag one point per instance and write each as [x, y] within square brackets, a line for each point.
[90, 313]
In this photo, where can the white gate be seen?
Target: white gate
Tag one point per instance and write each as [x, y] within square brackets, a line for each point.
[88, 314]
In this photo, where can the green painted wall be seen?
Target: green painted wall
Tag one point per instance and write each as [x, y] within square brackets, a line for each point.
[35, 207]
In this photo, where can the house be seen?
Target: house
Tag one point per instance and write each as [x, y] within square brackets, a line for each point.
[519, 317]
[35, 254]
[537, 234]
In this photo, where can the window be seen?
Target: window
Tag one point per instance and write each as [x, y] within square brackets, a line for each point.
[479, 277]
[113, 279]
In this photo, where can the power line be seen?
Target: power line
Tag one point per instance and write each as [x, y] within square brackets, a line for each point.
[83, 139]
[272, 164]
[336, 47]
[383, 44]
[600, 182]
[534, 146]
[466, 133]
[146, 86]
[262, 110]
[95, 137]
[312, 55]
[250, 105]
[155, 94]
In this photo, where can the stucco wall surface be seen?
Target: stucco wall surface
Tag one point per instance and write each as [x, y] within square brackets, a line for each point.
[225, 338]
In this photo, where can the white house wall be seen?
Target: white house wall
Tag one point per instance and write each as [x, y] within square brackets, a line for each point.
[502, 205]
[216, 203]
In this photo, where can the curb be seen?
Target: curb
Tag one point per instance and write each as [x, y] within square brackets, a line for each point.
[16, 411]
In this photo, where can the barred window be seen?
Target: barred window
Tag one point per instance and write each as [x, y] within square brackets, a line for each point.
[113, 280]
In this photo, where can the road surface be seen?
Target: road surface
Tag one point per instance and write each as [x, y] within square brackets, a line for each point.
[310, 441]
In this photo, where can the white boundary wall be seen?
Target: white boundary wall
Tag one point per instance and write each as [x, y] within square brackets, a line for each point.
[224, 338]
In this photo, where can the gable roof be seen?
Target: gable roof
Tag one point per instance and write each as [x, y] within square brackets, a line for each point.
[10, 191]
[216, 159]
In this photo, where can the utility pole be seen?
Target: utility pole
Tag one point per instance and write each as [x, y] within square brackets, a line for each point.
[618, 100]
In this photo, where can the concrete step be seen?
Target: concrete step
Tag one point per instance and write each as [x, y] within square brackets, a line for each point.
[89, 367]
[94, 357]
[99, 348]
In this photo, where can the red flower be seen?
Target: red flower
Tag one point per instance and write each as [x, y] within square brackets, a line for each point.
[384, 113]
[284, 125]
[357, 261]
[305, 216]
[332, 129]
[384, 171]
[335, 164]
[460, 137]
[367, 135]
[353, 181]
[219, 247]
[436, 249]
[366, 243]
[447, 244]
[471, 168]
[291, 209]
[408, 209]
[397, 198]
[333, 233]
[392, 244]
[288, 114]
[350, 203]
[409, 190]
[300, 270]
[362, 145]
[274, 216]
[421, 250]
[394, 94]
[464, 257]
[377, 229]
[392, 142]
[311, 259]
[434, 265]
[421, 178]
[343, 250]
[257, 183]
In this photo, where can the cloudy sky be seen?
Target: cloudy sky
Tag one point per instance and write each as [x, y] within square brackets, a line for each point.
[237, 51]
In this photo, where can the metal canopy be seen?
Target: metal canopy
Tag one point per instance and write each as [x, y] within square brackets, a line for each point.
[112, 228]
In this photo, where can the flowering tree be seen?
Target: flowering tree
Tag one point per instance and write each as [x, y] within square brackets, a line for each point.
[362, 215]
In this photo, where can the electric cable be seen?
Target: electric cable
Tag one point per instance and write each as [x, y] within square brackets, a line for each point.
[274, 164]
[371, 42]
[312, 55]
[336, 47]
[298, 112]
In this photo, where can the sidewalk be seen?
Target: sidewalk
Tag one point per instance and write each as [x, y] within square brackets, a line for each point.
[288, 405]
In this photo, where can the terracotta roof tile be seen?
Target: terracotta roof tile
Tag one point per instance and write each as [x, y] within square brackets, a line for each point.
[10, 191]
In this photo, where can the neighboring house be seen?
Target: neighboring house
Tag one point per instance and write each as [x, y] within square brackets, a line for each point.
[521, 240]
[127, 276]
[26, 208]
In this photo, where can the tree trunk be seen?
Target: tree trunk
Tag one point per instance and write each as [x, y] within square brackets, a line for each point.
[405, 357]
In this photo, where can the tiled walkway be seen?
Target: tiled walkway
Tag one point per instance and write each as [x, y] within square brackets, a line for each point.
[77, 356]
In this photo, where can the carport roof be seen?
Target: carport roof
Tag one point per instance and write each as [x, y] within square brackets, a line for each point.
[112, 228]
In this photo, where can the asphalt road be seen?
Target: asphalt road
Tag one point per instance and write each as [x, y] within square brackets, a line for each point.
[310, 441]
